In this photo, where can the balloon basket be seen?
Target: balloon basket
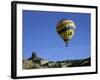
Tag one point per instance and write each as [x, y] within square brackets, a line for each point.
[66, 45]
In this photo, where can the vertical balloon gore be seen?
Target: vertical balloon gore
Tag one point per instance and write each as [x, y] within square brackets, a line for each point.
[66, 30]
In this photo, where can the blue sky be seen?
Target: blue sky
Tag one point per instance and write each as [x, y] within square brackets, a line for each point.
[40, 35]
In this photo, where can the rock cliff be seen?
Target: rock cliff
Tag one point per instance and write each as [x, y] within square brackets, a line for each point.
[35, 62]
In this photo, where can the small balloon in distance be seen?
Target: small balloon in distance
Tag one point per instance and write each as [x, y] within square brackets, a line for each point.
[66, 29]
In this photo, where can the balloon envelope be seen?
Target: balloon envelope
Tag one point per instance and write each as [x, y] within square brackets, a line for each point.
[66, 29]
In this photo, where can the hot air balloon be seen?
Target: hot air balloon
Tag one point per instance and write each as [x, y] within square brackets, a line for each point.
[66, 29]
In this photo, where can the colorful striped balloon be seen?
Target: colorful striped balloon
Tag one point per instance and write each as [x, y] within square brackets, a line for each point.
[66, 29]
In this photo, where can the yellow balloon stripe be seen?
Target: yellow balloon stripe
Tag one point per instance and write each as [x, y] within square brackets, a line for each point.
[68, 34]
